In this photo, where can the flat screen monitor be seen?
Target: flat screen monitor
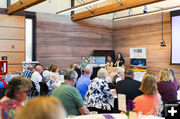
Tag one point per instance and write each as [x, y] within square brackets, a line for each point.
[100, 60]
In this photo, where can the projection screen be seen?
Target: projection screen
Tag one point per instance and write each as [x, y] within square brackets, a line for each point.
[175, 44]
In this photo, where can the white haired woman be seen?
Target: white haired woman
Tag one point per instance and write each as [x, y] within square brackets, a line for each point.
[99, 96]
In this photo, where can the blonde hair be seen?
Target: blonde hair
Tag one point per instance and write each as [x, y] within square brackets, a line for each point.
[165, 75]
[149, 84]
[53, 67]
[42, 108]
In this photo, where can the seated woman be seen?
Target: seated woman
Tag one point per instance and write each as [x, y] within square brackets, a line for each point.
[99, 96]
[54, 77]
[16, 92]
[166, 87]
[150, 102]
[42, 108]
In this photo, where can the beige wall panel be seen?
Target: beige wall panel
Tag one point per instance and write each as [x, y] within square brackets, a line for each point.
[12, 21]
[13, 58]
[7, 45]
[13, 68]
[12, 33]
[12, 41]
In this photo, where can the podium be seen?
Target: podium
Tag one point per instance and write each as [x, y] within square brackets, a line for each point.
[3, 67]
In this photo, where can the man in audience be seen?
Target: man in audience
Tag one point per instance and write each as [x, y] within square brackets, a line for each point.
[28, 72]
[118, 77]
[129, 86]
[36, 77]
[70, 96]
[84, 81]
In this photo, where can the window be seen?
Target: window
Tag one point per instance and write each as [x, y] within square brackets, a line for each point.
[29, 39]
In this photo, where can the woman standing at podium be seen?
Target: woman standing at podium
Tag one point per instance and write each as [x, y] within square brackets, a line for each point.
[119, 60]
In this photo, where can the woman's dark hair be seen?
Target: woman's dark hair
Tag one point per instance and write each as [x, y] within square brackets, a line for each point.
[121, 56]
[17, 84]
[37, 65]
[78, 71]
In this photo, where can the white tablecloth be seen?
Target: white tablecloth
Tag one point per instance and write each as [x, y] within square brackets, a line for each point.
[115, 116]
[178, 96]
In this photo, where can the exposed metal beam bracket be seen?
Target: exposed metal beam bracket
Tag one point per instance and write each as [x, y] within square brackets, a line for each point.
[120, 2]
[86, 7]
[20, 2]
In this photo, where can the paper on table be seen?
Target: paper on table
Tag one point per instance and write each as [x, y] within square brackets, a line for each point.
[132, 115]
[122, 102]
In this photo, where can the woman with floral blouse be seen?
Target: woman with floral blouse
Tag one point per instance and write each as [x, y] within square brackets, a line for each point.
[99, 97]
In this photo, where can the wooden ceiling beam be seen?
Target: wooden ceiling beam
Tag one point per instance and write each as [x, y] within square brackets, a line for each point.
[21, 5]
[118, 6]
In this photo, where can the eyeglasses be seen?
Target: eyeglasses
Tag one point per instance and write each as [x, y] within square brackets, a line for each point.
[25, 91]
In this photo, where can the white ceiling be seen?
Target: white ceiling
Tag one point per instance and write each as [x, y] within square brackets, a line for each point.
[53, 6]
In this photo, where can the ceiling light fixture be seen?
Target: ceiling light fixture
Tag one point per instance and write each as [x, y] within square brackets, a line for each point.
[163, 44]
[130, 12]
[114, 15]
[149, 13]
[145, 9]
[80, 6]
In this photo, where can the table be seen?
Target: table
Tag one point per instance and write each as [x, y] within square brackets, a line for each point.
[115, 116]
[178, 96]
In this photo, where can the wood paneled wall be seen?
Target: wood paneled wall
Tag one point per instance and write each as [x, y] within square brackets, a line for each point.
[146, 32]
[12, 41]
[63, 42]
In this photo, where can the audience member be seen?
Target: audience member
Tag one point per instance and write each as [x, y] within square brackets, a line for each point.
[28, 72]
[175, 81]
[99, 97]
[118, 77]
[129, 86]
[16, 92]
[42, 108]
[84, 81]
[119, 60]
[36, 77]
[70, 96]
[109, 61]
[54, 70]
[166, 87]
[150, 102]
[71, 66]
[46, 74]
